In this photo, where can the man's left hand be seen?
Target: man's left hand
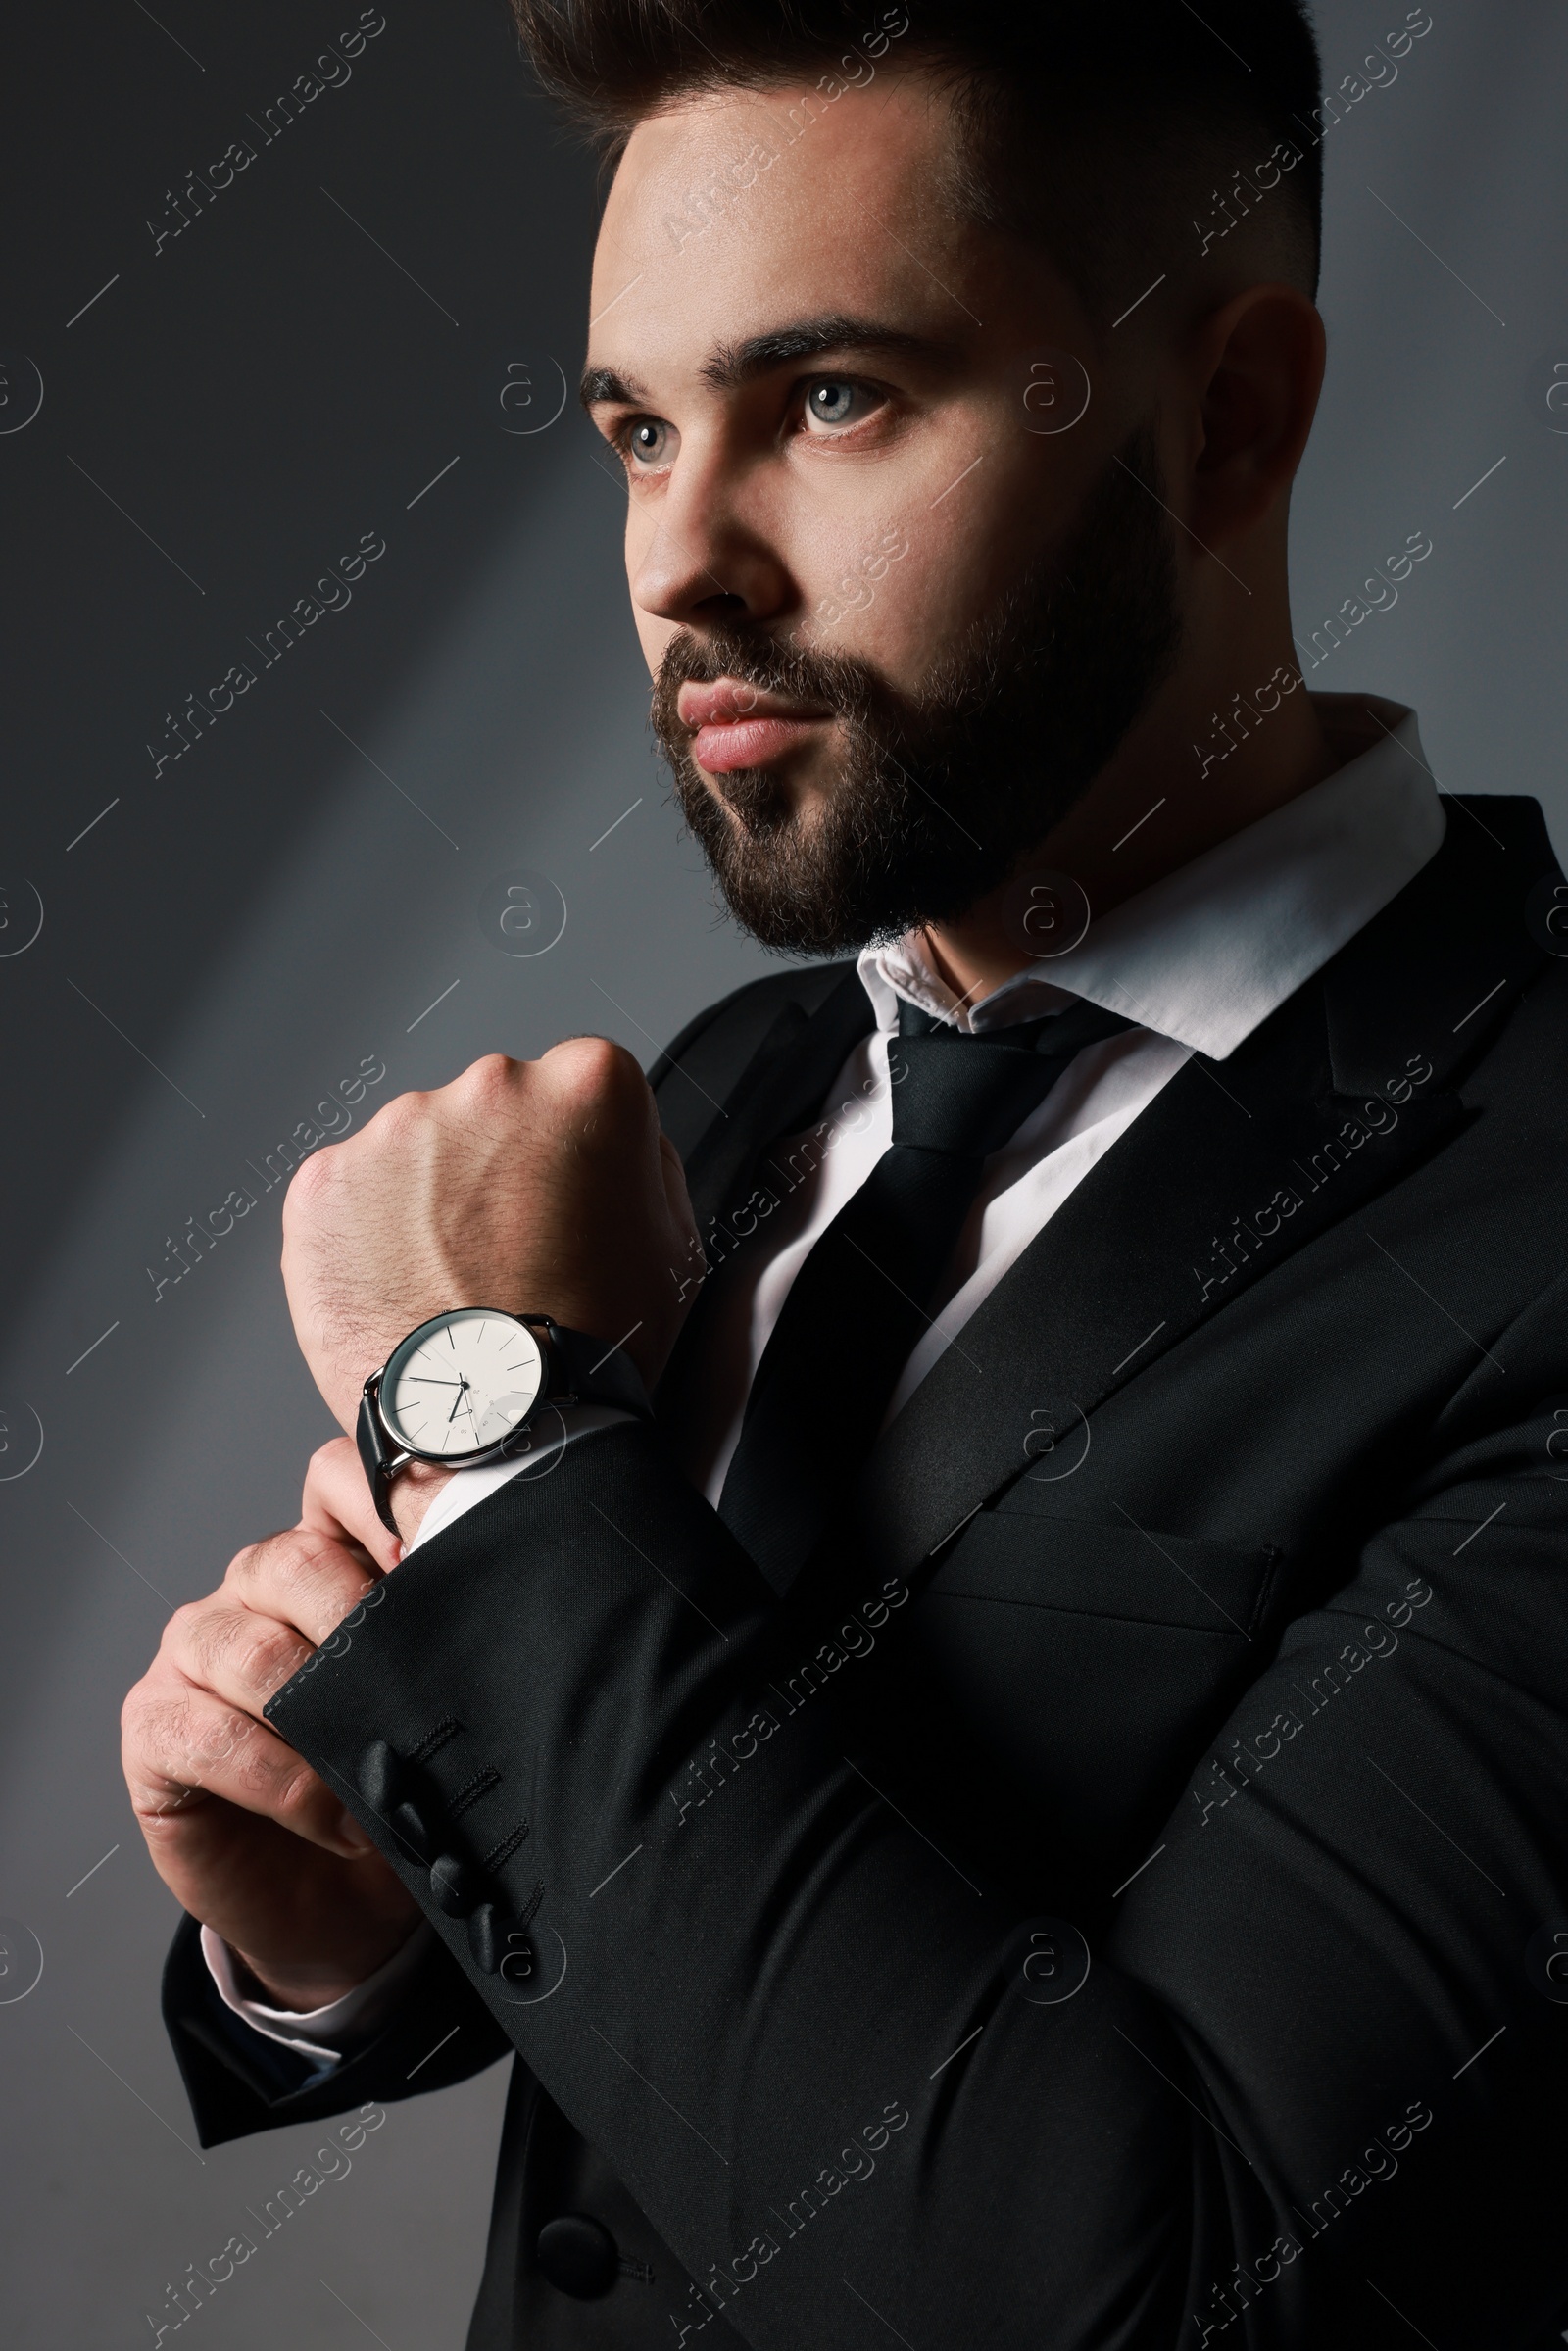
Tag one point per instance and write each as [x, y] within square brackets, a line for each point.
[542, 1187]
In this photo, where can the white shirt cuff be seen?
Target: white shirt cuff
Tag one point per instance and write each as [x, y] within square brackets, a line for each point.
[468, 1486]
[319, 2033]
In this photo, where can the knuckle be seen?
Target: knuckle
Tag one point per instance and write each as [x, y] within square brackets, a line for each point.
[317, 1571]
[274, 1572]
[490, 1075]
[246, 1570]
[216, 1638]
[161, 1740]
[320, 1559]
[221, 1737]
[243, 1568]
[403, 1117]
[184, 1628]
[266, 1655]
[329, 1460]
[310, 1179]
[280, 1555]
[594, 1070]
[292, 1784]
[133, 1716]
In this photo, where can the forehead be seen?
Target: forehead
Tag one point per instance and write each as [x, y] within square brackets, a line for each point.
[729, 211]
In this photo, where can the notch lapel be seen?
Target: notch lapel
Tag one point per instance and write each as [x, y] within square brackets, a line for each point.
[779, 1092]
[1233, 1167]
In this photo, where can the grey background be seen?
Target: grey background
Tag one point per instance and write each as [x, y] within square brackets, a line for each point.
[249, 923]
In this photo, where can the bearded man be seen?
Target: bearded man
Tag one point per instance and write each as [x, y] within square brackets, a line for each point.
[946, 1618]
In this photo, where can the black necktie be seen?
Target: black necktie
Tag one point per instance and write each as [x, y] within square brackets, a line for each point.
[857, 1308]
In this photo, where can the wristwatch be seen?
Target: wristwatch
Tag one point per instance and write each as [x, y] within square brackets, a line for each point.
[467, 1387]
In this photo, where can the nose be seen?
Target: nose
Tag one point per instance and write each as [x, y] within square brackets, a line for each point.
[707, 559]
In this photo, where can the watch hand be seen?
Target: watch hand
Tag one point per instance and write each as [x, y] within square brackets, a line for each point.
[463, 1390]
[426, 1380]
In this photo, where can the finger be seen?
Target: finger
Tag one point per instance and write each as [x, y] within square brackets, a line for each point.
[301, 1576]
[241, 1657]
[182, 1746]
[337, 1502]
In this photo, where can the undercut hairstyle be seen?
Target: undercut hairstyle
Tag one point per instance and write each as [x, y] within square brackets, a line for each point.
[1127, 140]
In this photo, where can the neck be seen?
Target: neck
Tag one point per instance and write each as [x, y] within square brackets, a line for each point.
[1172, 791]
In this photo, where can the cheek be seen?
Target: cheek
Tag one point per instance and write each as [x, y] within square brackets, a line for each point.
[639, 538]
[907, 583]
[653, 632]
[958, 517]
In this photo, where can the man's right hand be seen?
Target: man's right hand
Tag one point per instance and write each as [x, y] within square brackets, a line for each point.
[241, 1831]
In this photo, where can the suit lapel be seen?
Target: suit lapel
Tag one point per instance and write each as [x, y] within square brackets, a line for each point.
[779, 1091]
[1233, 1167]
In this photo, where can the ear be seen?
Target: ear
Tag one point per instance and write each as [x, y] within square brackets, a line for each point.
[1260, 363]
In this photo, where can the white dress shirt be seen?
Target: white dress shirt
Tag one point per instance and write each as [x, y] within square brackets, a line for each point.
[1198, 961]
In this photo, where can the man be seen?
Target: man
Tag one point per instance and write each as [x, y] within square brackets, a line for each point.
[1026, 1804]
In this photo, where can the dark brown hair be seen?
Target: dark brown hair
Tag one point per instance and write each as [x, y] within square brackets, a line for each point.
[1126, 137]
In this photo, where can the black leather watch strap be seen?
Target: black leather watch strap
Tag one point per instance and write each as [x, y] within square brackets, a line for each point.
[375, 1457]
[590, 1372]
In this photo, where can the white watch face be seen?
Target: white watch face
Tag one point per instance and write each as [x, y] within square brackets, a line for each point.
[460, 1382]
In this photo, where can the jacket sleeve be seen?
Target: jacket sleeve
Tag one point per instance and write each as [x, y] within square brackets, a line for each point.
[1310, 2073]
[238, 2081]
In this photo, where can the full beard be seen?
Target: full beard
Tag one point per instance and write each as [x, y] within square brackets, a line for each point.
[941, 793]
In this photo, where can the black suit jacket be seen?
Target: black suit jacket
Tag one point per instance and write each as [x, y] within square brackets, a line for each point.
[1110, 1898]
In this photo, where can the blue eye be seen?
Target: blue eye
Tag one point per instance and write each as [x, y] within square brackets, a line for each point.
[832, 401]
[649, 440]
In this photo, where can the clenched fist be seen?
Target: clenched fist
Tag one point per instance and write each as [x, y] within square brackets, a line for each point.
[541, 1187]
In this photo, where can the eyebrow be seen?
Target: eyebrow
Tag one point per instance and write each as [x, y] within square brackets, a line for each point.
[729, 365]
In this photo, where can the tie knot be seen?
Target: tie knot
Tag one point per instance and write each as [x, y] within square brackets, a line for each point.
[966, 1095]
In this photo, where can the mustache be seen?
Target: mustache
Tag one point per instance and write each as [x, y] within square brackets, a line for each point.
[961, 682]
[847, 687]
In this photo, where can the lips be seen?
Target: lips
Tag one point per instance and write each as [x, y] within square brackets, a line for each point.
[737, 725]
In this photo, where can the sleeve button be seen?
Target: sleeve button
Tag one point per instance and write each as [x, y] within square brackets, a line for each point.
[456, 1885]
[407, 1824]
[379, 1773]
[483, 1938]
[579, 2256]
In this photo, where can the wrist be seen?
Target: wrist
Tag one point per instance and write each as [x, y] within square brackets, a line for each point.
[413, 1489]
[295, 1995]
[298, 1991]
[302, 1987]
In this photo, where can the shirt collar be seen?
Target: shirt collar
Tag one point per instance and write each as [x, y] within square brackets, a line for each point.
[1208, 953]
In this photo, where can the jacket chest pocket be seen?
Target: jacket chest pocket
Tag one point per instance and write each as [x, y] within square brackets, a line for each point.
[1089, 1663]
